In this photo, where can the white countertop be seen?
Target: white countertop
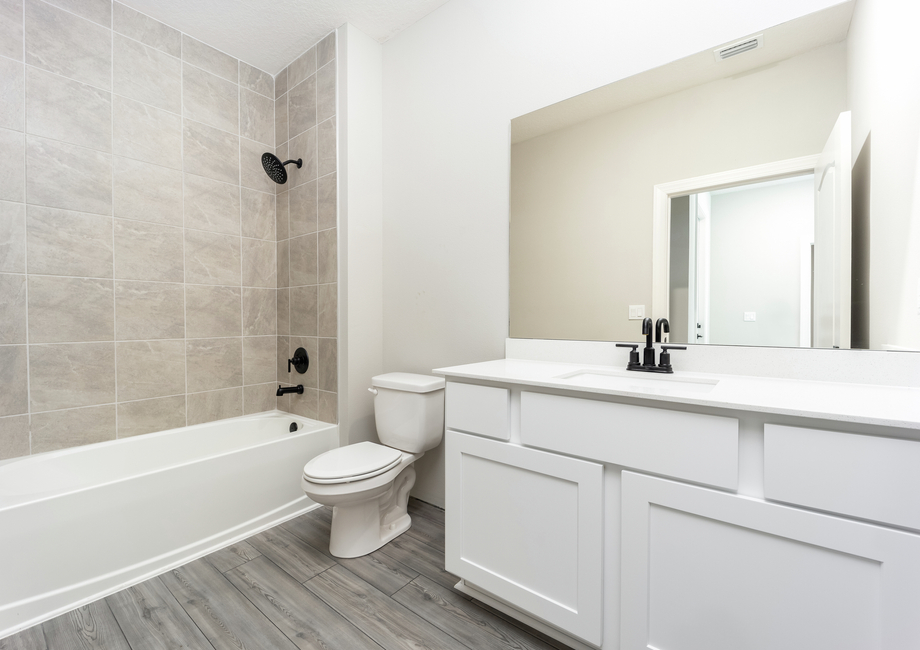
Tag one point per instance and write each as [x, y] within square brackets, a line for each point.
[892, 406]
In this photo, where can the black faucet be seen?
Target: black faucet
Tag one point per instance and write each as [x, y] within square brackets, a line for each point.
[648, 358]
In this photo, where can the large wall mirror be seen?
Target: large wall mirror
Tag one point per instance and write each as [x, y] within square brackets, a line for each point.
[765, 192]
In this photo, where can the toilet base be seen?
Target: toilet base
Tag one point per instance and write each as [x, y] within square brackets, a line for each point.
[364, 526]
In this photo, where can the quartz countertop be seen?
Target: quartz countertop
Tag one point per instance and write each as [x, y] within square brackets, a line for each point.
[892, 406]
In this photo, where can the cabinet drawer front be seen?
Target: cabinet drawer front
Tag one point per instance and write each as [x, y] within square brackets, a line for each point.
[483, 410]
[527, 526]
[690, 446]
[861, 476]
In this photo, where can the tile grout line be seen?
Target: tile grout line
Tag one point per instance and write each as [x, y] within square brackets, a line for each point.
[274, 402]
[184, 261]
[134, 401]
[170, 282]
[239, 219]
[25, 227]
[112, 179]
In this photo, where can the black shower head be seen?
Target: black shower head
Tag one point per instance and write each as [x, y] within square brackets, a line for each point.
[275, 168]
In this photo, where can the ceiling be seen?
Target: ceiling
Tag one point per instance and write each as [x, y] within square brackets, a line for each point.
[269, 34]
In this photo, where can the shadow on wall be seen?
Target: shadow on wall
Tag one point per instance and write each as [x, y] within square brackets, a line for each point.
[859, 297]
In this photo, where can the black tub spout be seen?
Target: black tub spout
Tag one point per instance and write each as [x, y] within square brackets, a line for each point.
[290, 389]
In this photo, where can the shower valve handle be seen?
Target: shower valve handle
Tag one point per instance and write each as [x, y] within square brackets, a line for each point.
[300, 361]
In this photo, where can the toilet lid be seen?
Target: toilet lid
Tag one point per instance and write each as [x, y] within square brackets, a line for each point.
[351, 463]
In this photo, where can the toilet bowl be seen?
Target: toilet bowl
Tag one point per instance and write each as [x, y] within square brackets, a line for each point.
[367, 484]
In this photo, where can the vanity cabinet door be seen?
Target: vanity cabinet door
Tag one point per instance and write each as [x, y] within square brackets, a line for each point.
[707, 570]
[527, 527]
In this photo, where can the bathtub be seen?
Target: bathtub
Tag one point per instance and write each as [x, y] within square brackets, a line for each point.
[82, 523]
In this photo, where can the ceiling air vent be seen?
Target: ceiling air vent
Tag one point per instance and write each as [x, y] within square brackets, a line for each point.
[740, 47]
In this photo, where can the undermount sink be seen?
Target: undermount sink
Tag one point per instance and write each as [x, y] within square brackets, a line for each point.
[639, 382]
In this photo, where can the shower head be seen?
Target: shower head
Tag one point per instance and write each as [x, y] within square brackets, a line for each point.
[275, 168]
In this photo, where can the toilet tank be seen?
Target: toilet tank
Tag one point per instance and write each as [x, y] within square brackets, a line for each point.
[409, 410]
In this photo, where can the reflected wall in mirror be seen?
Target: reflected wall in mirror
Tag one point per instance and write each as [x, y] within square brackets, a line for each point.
[741, 264]
[598, 181]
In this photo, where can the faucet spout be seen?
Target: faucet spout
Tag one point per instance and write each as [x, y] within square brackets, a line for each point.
[661, 325]
[289, 389]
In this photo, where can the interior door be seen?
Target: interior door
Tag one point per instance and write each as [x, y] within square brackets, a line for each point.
[832, 239]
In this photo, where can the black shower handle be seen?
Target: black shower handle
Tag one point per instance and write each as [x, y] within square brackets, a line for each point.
[300, 361]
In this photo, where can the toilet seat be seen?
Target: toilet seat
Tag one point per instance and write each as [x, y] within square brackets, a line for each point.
[351, 463]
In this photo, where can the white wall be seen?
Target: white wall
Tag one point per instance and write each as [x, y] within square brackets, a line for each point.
[360, 203]
[884, 89]
[757, 236]
[453, 81]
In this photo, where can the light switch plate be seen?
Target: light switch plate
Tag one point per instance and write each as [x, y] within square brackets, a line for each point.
[636, 312]
[750, 316]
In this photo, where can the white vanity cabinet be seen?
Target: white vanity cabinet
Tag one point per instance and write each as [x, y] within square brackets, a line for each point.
[633, 525]
[527, 527]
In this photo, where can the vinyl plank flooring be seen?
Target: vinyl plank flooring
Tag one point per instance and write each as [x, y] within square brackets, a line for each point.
[463, 619]
[291, 553]
[303, 617]
[232, 556]
[521, 626]
[422, 557]
[387, 622]
[32, 638]
[422, 509]
[381, 571]
[152, 619]
[224, 615]
[311, 529]
[91, 627]
[428, 531]
[323, 513]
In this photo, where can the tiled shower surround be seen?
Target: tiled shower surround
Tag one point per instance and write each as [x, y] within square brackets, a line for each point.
[138, 286]
[305, 127]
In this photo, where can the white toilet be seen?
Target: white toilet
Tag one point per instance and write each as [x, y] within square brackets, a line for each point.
[368, 484]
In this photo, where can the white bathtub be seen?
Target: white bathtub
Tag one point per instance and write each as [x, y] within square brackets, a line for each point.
[78, 524]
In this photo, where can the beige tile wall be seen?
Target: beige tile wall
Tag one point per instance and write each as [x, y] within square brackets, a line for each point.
[138, 283]
[305, 127]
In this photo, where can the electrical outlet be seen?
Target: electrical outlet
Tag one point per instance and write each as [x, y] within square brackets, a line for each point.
[636, 312]
[750, 316]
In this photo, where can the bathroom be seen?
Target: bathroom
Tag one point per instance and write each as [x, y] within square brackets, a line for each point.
[390, 254]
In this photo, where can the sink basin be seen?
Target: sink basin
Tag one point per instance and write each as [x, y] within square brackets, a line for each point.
[639, 382]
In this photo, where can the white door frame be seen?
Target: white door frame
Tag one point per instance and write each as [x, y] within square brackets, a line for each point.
[661, 216]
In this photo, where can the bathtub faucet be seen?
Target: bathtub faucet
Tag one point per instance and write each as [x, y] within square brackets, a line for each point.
[289, 389]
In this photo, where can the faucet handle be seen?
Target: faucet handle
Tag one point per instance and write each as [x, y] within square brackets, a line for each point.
[665, 362]
[633, 354]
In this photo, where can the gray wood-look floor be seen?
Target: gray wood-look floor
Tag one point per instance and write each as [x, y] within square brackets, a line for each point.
[281, 589]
